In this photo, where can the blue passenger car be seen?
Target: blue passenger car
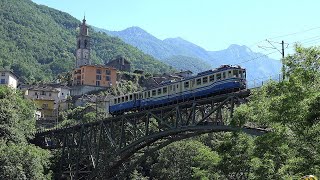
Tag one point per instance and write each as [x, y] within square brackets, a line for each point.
[218, 81]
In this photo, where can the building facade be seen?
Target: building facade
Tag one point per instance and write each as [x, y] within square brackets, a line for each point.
[45, 98]
[49, 100]
[95, 75]
[9, 79]
[120, 63]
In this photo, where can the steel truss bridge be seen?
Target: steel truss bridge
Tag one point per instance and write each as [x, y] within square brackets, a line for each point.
[112, 147]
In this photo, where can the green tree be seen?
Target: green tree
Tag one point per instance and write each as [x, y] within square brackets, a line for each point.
[292, 110]
[185, 160]
[236, 152]
[19, 159]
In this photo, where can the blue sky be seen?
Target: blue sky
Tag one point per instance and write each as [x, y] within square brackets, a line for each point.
[214, 25]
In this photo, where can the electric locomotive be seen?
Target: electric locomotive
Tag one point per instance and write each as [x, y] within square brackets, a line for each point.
[224, 79]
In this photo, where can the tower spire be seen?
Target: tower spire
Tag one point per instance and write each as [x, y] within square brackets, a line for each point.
[84, 19]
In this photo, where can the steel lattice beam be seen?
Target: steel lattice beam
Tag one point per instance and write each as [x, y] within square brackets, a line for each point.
[89, 149]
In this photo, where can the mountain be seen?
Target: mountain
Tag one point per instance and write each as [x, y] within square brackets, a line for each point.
[173, 50]
[39, 42]
[259, 66]
[144, 41]
[187, 63]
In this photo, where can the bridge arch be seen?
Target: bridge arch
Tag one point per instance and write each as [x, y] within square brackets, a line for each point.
[105, 146]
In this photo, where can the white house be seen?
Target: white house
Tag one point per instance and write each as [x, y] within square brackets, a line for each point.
[8, 78]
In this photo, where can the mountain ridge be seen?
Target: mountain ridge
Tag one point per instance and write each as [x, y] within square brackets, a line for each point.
[257, 64]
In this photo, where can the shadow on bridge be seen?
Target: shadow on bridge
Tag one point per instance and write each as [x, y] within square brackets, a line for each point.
[105, 148]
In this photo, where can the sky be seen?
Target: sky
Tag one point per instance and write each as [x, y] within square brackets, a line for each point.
[211, 24]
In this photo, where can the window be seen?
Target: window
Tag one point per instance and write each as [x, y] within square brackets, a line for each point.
[223, 75]
[159, 91]
[82, 76]
[164, 90]
[3, 74]
[98, 71]
[186, 84]
[130, 97]
[199, 81]
[108, 72]
[145, 95]
[3, 81]
[211, 78]
[43, 93]
[97, 83]
[49, 94]
[244, 74]
[122, 99]
[119, 100]
[148, 94]
[205, 80]
[108, 78]
[229, 74]
[35, 93]
[98, 77]
[235, 73]
[154, 92]
[85, 43]
[115, 101]
[218, 76]
[126, 98]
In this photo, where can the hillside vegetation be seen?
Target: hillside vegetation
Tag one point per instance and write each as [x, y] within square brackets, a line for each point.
[188, 63]
[38, 42]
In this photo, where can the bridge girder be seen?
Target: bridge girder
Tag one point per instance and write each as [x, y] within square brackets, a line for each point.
[102, 148]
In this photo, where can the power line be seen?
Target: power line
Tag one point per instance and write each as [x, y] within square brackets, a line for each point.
[299, 32]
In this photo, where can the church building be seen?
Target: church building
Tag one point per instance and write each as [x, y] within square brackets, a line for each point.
[85, 74]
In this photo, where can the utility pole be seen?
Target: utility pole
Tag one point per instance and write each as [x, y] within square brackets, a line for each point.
[283, 68]
[282, 53]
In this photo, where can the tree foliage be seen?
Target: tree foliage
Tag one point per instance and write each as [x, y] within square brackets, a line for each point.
[19, 159]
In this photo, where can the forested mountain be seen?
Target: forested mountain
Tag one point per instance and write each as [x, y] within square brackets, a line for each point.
[38, 42]
[160, 49]
[258, 65]
[187, 63]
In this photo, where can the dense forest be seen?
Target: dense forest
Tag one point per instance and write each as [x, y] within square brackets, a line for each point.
[39, 42]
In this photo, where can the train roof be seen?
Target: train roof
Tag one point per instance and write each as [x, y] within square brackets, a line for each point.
[221, 68]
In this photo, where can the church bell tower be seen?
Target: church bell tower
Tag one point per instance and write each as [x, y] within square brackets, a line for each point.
[83, 46]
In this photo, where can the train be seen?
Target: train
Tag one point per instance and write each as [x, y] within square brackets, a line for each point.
[223, 79]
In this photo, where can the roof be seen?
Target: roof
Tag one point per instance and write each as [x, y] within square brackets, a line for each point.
[43, 88]
[187, 71]
[16, 76]
[97, 66]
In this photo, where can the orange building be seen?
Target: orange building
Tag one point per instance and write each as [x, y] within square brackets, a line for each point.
[85, 74]
[94, 75]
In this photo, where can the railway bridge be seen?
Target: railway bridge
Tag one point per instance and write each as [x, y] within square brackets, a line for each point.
[110, 147]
